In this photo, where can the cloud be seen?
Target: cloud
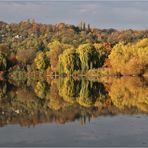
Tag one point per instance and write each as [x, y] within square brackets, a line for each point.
[88, 8]
[104, 14]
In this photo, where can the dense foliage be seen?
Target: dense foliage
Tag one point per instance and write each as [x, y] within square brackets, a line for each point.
[68, 49]
[130, 59]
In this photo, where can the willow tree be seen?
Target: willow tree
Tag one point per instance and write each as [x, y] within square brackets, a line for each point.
[70, 61]
[88, 56]
[55, 49]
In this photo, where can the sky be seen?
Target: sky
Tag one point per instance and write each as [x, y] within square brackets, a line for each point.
[100, 14]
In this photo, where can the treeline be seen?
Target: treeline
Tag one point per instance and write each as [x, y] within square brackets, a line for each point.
[68, 49]
[121, 59]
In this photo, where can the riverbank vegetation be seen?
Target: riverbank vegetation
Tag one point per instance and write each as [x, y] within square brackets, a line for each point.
[29, 47]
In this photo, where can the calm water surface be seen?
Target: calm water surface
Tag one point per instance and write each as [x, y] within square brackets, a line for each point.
[74, 112]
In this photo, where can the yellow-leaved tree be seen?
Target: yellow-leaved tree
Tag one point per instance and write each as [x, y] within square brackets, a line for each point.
[129, 59]
[41, 61]
[70, 61]
[55, 49]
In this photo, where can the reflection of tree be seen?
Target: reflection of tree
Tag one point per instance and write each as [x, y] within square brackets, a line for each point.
[41, 115]
[83, 91]
[20, 100]
[24, 107]
[55, 101]
[41, 89]
[70, 89]
[129, 93]
[86, 97]
[26, 98]
[70, 99]
[90, 92]
[3, 89]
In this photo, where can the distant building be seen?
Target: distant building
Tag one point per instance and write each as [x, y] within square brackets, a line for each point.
[18, 36]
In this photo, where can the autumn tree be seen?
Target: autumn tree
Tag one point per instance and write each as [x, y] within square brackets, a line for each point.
[103, 51]
[26, 56]
[88, 56]
[70, 61]
[142, 42]
[41, 61]
[129, 59]
[56, 48]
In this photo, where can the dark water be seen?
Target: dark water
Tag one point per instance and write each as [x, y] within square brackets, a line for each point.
[74, 112]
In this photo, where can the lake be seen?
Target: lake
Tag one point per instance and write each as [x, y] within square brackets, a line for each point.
[69, 111]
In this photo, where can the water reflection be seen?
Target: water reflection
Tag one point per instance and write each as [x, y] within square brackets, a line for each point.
[128, 93]
[68, 99]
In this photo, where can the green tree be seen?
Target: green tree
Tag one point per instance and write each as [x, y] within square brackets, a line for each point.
[88, 56]
[70, 61]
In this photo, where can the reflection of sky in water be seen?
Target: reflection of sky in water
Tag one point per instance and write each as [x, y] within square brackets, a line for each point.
[99, 14]
[110, 131]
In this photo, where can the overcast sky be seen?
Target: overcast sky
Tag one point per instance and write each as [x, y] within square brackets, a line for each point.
[101, 14]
